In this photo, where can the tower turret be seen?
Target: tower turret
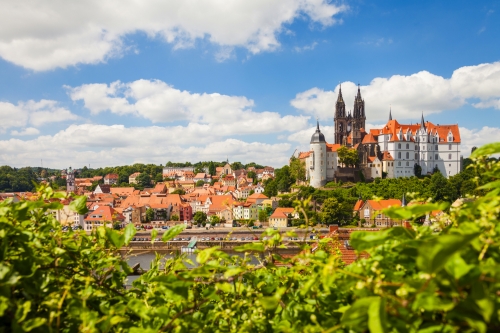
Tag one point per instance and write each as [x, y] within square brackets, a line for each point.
[340, 119]
[318, 168]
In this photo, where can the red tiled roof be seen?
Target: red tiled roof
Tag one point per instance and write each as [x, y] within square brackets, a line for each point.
[333, 147]
[358, 204]
[369, 138]
[383, 204]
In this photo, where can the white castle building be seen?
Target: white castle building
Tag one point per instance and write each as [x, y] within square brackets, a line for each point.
[394, 149]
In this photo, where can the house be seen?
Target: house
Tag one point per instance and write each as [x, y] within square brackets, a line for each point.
[282, 216]
[202, 176]
[67, 216]
[132, 178]
[370, 212]
[245, 211]
[111, 179]
[229, 180]
[102, 216]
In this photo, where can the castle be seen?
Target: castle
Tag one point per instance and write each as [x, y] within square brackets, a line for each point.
[394, 150]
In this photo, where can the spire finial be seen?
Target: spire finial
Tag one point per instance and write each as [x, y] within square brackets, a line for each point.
[390, 112]
[422, 122]
[317, 124]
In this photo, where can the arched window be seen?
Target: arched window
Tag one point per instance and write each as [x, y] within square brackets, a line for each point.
[449, 156]
[407, 146]
[399, 146]
[407, 155]
[436, 157]
[399, 155]
[449, 147]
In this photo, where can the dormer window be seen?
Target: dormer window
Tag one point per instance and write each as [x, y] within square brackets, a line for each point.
[450, 139]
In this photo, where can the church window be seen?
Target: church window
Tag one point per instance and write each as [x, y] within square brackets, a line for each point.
[407, 155]
[399, 155]
[449, 156]
[399, 146]
[449, 147]
[407, 146]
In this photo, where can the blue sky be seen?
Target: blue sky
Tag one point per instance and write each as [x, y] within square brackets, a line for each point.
[82, 84]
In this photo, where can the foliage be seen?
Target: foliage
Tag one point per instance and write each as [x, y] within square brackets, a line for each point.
[150, 214]
[179, 191]
[174, 217]
[281, 183]
[200, 183]
[348, 157]
[200, 217]
[440, 279]
[144, 180]
[18, 180]
[262, 216]
[297, 169]
[236, 166]
[417, 170]
[214, 219]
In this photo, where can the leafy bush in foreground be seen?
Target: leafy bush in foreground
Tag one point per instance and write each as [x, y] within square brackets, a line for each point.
[445, 279]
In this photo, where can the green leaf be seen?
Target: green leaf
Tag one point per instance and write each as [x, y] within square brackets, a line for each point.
[128, 233]
[256, 246]
[30, 324]
[377, 319]
[79, 205]
[204, 255]
[269, 303]
[172, 232]
[154, 233]
[357, 315]
[457, 267]
[434, 253]
[364, 240]
[414, 211]
[486, 150]
[116, 239]
[233, 271]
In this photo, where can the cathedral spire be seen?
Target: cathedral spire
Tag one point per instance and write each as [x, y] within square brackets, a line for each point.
[359, 93]
[422, 122]
[340, 98]
[390, 114]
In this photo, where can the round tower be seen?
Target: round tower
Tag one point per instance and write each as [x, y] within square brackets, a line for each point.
[318, 168]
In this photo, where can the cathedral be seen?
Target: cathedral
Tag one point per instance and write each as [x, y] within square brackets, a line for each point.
[393, 150]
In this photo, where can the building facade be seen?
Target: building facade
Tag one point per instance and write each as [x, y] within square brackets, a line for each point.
[394, 150]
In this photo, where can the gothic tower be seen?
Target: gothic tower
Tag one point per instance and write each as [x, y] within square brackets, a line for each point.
[340, 119]
[358, 118]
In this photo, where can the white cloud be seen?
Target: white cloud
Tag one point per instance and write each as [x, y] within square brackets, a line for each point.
[160, 102]
[477, 137]
[43, 35]
[26, 131]
[101, 145]
[306, 47]
[410, 95]
[36, 113]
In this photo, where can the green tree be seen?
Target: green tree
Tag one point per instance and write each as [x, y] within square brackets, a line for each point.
[200, 183]
[348, 157]
[211, 168]
[262, 216]
[179, 191]
[214, 219]
[143, 180]
[237, 166]
[297, 169]
[174, 217]
[200, 217]
[150, 214]
[331, 211]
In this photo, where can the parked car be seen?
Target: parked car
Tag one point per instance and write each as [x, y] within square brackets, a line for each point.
[164, 227]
